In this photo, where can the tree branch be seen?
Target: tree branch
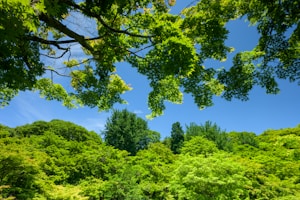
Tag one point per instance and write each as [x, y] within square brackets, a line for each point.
[62, 28]
[100, 19]
[58, 57]
[57, 42]
[144, 48]
[56, 72]
[120, 31]
[51, 42]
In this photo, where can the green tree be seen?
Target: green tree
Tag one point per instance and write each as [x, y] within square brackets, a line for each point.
[169, 49]
[271, 166]
[167, 142]
[19, 174]
[198, 146]
[177, 137]
[214, 177]
[49, 165]
[208, 130]
[125, 131]
[67, 130]
[5, 131]
[36, 128]
[71, 131]
[144, 176]
[149, 137]
[243, 138]
[211, 132]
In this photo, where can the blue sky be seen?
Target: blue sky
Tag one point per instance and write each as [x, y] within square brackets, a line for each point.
[261, 112]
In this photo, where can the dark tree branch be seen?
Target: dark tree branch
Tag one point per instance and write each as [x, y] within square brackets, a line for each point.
[67, 50]
[100, 19]
[51, 42]
[56, 72]
[135, 54]
[62, 28]
[120, 31]
[144, 48]
[57, 42]
[82, 62]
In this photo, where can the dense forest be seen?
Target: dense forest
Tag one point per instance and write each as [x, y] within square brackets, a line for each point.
[61, 160]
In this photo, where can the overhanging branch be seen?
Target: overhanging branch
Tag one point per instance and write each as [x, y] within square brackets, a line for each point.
[56, 72]
[58, 42]
[62, 28]
[101, 20]
[120, 31]
[51, 42]
[57, 57]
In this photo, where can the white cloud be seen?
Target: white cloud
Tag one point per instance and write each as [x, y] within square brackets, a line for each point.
[138, 112]
[94, 124]
[28, 109]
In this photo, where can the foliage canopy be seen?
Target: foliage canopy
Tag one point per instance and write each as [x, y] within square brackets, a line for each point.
[126, 131]
[169, 49]
[39, 161]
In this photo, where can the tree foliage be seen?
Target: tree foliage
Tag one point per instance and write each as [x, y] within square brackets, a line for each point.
[38, 162]
[198, 146]
[126, 131]
[177, 137]
[169, 49]
[19, 174]
[215, 177]
[211, 132]
[243, 138]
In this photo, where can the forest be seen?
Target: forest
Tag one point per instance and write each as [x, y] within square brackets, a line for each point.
[60, 160]
[69, 51]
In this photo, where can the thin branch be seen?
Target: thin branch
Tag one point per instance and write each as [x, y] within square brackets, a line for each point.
[67, 50]
[53, 42]
[56, 72]
[62, 28]
[121, 31]
[146, 47]
[82, 62]
[131, 52]
[57, 42]
[187, 6]
[101, 20]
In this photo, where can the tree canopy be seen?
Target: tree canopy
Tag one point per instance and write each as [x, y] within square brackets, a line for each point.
[126, 131]
[177, 137]
[169, 49]
[40, 161]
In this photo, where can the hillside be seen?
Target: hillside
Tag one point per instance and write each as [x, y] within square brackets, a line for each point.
[59, 160]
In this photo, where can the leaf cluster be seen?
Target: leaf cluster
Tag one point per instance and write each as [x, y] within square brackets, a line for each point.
[169, 49]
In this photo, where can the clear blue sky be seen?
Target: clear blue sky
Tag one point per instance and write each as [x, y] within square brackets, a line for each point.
[261, 112]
